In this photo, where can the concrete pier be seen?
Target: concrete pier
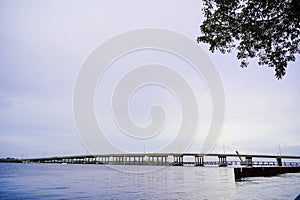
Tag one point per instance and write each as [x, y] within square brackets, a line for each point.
[249, 161]
[199, 160]
[178, 160]
[222, 161]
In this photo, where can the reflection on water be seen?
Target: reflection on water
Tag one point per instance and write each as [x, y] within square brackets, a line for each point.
[54, 181]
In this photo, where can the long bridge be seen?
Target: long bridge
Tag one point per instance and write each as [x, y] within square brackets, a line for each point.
[176, 159]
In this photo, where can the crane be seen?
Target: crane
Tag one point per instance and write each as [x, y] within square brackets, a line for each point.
[242, 162]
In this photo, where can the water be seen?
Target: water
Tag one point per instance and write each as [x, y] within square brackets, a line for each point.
[55, 181]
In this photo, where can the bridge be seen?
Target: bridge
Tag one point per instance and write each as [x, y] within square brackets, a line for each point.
[175, 159]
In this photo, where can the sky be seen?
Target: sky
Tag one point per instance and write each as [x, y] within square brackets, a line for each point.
[43, 45]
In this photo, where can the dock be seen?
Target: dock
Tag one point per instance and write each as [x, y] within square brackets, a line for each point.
[240, 173]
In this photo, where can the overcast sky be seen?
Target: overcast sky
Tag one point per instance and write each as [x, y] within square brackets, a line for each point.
[44, 43]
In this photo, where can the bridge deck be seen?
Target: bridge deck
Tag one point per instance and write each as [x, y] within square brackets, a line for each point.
[165, 155]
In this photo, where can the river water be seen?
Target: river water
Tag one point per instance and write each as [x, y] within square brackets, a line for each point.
[70, 181]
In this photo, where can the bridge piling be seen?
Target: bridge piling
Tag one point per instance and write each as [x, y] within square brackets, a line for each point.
[199, 160]
[178, 160]
[222, 161]
[248, 161]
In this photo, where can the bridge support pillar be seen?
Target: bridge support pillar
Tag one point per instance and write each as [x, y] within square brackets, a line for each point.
[249, 161]
[105, 160]
[164, 160]
[199, 161]
[143, 161]
[125, 160]
[279, 161]
[178, 160]
[222, 161]
[150, 160]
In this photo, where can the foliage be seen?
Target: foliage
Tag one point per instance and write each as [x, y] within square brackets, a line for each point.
[266, 29]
